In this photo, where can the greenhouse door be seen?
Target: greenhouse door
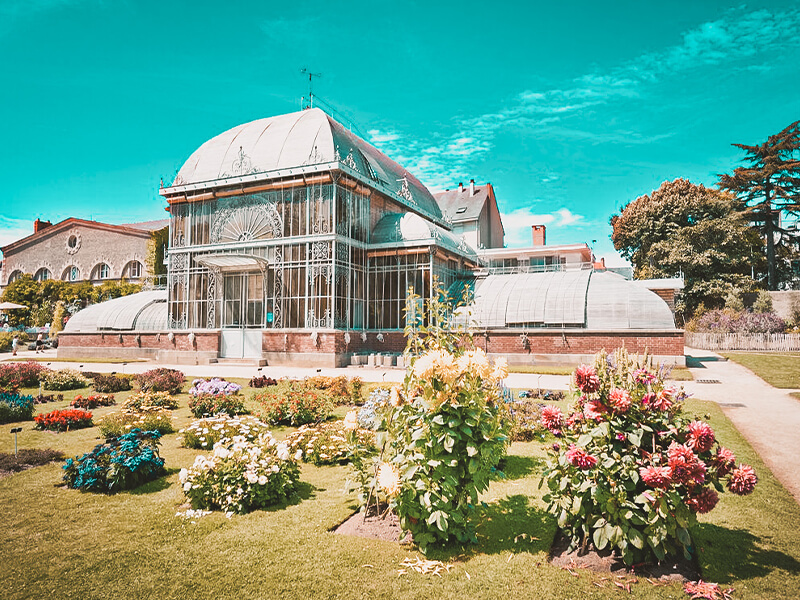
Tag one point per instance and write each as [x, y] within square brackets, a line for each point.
[242, 315]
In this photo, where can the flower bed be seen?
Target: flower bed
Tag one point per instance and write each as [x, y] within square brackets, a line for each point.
[330, 443]
[21, 374]
[262, 382]
[122, 463]
[150, 419]
[204, 433]
[161, 380]
[15, 407]
[634, 471]
[63, 379]
[144, 400]
[64, 420]
[215, 396]
[241, 477]
[525, 420]
[340, 389]
[92, 401]
[297, 405]
[110, 384]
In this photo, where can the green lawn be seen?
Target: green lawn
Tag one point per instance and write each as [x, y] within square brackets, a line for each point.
[58, 543]
[779, 369]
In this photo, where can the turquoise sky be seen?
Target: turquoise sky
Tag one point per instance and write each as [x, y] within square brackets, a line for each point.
[570, 109]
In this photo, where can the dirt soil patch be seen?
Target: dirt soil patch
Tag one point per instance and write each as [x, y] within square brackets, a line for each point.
[383, 526]
[607, 562]
[27, 459]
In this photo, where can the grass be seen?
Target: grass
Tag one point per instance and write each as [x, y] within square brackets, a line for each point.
[58, 543]
[779, 369]
[540, 370]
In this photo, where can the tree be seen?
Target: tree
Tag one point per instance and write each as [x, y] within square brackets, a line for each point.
[769, 184]
[688, 229]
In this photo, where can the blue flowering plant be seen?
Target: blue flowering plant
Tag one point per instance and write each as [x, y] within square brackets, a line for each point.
[15, 407]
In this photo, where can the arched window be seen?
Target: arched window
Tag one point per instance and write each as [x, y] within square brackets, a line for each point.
[133, 270]
[101, 271]
[43, 274]
[71, 273]
[14, 276]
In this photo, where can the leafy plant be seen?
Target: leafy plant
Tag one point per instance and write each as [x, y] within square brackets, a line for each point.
[262, 382]
[525, 420]
[20, 374]
[111, 384]
[297, 405]
[15, 407]
[144, 400]
[63, 379]
[64, 420]
[121, 463]
[633, 471]
[161, 380]
[215, 396]
[92, 401]
[204, 433]
[153, 419]
[341, 389]
[242, 476]
[330, 443]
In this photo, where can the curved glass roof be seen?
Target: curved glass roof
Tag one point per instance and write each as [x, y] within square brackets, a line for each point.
[580, 298]
[308, 137]
[412, 229]
[144, 311]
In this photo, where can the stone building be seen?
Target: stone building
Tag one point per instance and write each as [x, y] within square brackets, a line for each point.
[293, 241]
[79, 250]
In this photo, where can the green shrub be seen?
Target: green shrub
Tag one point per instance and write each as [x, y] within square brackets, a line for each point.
[122, 463]
[63, 379]
[763, 303]
[15, 407]
[14, 375]
[241, 477]
[525, 420]
[144, 400]
[341, 389]
[111, 384]
[204, 433]
[297, 405]
[161, 380]
[120, 423]
[329, 443]
[205, 405]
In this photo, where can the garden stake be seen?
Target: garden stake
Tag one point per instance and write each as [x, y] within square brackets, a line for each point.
[15, 431]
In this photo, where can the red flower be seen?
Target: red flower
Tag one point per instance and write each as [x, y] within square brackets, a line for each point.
[743, 480]
[594, 410]
[701, 436]
[724, 462]
[682, 462]
[703, 502]
[586, 379]
[578, 457]
[619, 399]
[656, 477]
[648, 399]
[663, 401]
[552, 418]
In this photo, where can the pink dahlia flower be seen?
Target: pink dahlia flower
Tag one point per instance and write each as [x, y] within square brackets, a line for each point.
[648, 399]
[682, 462]
[700, 436]
[663, 400]
[552, 418]
[586, 379]
[644, 377]
[724, 462]
[619, 399]
[578, 457]
[594, 410]
[743, 480]
[703, 502]
[656, 477]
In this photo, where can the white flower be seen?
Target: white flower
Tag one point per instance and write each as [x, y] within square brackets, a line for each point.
[262, 480]
[282, 451]
[182, 476]
[187, 486]
[351, 421]
[298, 455]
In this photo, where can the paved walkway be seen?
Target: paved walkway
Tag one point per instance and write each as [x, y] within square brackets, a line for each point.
[768, 417]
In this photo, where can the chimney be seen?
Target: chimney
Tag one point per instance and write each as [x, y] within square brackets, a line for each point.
[38, 225]
[538, 235]
[599, 265]
[471, 187]
[460, 187]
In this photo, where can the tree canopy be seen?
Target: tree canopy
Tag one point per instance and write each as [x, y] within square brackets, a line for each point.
[767, 185]
[688, 229]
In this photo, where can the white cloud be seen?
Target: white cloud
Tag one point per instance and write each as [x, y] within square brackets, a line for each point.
[518, 223]
[12, 230]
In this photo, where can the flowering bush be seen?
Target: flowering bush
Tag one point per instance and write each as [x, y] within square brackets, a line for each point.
[206, 432]
[15, 407]
[92, 401]
[122, 463]
[64, 420]
[110, 384]
[150, 419]
[370, 414]
[262, 381]
[329, 443]
[729, 321]
[214, 387]
[242, 476]
[63, 379]
[341, 389]
[21, 374]
[161, 380]
[144, 400]
[525, 420]
[445, 428]
[297, 405]
[215, 396]
[633, 470]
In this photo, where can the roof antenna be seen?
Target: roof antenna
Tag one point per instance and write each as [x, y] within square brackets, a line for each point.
[305, 71]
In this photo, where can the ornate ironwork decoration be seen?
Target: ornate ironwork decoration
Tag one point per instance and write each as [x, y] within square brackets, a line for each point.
[241, 165]
[246, 218]
[404, 191]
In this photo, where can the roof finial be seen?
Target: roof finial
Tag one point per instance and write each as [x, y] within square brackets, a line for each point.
[305, 71]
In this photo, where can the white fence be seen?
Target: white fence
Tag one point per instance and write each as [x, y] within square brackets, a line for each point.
[775, 342]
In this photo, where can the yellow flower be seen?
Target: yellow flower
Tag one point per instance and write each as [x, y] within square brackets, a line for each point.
[500, 369]
[394, 397]
[389, 479]
[351, 421]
